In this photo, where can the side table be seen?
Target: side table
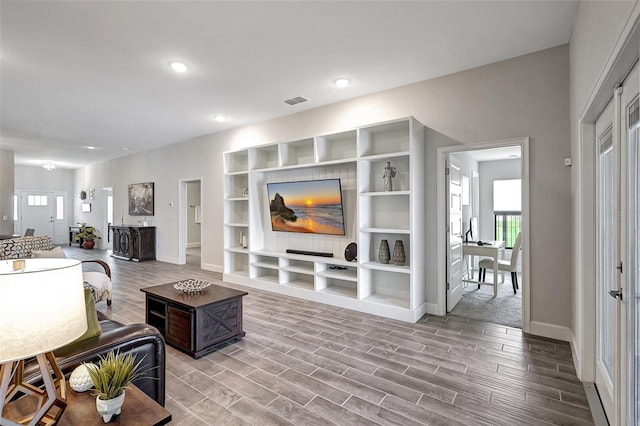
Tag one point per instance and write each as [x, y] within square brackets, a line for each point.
[138, 410]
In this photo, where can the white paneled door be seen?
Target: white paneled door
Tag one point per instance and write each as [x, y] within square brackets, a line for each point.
[630, 253]
[454, 235]
[606, 312]
[37, 211]
[618, 265]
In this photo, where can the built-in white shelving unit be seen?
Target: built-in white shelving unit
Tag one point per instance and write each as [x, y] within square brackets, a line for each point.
[371, 214]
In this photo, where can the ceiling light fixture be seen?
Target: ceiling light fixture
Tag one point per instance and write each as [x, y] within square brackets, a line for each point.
[49, 166]
[220, 118]
[342, 82]
[124, 148]
[91, 147]
[178, 67]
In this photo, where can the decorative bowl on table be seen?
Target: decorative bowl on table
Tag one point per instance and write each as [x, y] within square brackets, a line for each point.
[191, 286]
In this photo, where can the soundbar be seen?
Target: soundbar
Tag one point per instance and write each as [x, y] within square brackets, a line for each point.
[310, 253]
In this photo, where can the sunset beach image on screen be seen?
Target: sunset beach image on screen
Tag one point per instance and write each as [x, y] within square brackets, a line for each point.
[312, 206]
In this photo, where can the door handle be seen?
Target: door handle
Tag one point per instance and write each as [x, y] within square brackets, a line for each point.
[616, 294]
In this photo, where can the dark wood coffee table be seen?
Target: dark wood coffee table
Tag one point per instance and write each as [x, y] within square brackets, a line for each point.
[195, 323]
[138, 410]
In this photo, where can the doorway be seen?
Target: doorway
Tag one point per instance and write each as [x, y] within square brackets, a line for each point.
[190, 228]
[481, 167]
[45, 212]
[107, 218]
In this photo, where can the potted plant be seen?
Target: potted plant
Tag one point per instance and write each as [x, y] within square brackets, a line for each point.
[111, 376]
[88, 235]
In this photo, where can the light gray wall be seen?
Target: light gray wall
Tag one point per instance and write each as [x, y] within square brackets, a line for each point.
[490, 171]
[6, 191]
[524, 96]
[193, 200]
[33, 178]
[596, 29]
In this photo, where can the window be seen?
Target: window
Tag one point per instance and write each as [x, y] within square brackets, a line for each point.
[507, 206]
[37, 200]
[507, 195]
[59, 207]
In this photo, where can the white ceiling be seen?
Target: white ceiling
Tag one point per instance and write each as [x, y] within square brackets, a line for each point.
[79, 73]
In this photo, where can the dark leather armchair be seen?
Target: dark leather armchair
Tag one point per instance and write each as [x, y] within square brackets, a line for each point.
[141, 339]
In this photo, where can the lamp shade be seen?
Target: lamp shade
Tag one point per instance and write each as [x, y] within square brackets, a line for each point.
[41, 307]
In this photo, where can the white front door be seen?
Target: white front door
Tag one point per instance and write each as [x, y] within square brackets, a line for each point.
[38, 212]
[454, 235]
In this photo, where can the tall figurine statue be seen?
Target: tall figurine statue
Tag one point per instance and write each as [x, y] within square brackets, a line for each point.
[389, 172]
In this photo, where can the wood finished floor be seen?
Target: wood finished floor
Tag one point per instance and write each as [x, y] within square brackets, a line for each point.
[307, 363]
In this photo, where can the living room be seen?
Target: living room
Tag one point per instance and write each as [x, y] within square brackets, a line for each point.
[538, 95]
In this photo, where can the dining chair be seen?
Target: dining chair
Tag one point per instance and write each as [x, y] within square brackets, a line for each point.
[504, 265]
[29, 232]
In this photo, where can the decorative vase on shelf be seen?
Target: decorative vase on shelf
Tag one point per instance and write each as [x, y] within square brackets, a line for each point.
[383, 253]
[398, 253]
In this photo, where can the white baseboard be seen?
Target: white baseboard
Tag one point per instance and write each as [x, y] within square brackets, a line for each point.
[575, 354]
[211, 267]
[173, 260]
[551, 330]
[433, 309]
[193, 245]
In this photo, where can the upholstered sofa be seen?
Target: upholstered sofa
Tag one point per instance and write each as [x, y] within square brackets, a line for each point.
[42, 246]
[21, 247]
[140, 339]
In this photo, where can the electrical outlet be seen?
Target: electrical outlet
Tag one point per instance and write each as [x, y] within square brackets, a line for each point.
[567, 161]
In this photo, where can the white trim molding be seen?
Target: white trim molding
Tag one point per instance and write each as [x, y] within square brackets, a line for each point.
[211, 267]
[551, 331]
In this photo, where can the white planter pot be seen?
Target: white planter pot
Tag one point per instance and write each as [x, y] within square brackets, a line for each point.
[110, 407]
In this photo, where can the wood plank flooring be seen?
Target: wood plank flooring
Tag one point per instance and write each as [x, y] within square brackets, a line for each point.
[305, 363]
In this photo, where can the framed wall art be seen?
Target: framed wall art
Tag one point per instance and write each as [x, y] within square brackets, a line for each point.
[141, 199]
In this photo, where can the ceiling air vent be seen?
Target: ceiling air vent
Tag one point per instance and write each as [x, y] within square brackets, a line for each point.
[296, 100]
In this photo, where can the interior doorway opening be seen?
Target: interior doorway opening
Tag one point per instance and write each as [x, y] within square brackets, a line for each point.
[190, 231]
[485, 232]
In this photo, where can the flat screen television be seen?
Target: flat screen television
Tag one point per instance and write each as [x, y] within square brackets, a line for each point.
[311, 206]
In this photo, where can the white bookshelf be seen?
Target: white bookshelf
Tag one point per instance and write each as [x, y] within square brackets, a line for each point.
[357, 157]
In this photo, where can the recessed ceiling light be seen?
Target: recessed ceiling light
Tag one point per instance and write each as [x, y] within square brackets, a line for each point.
[220, 118]
[124, 148]
[343, 82]
[91, 147]
[178, 67]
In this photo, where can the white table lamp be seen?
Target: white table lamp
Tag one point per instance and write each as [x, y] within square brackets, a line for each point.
[42, 308]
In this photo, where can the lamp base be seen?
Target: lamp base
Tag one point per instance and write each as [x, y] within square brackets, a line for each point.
[49, 403]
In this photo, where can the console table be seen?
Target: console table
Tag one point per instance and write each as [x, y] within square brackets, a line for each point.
[138, 410]
[132, 242]
[73, 231]
[195, 323]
